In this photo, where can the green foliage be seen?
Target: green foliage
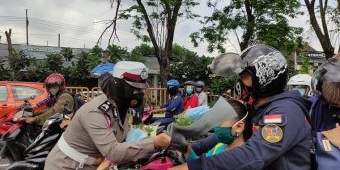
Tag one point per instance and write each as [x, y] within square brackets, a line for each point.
[254, 21]
[118, 53]
[75, 68]
[305, 67]
[143, 50]
[158, 18]
[67, 53]
[160, 13]
[187, 65]
[220, 84]
[54, 63]
[17, 63]
[80, 70]
[4, 71]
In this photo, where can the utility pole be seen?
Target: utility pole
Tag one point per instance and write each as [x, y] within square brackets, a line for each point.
[26, 28]
[59, 40]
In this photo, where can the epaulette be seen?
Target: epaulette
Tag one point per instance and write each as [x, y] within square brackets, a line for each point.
[107, 106]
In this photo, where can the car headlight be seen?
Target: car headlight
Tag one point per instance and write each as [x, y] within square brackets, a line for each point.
[47, 124]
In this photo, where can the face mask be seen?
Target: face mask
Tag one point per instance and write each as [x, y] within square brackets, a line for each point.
[301, 91]
[172, 90]
[54, 90]
[189, 90]
[244, 93]
[137, 99]
[198, 89]
[224, 134]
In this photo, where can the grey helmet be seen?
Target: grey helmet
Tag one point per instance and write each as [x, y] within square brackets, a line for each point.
[200, 83]
[199, 86]
[326, 81]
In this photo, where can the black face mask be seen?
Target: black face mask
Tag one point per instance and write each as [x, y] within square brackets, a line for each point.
[244, 93]
[136, 99]
[198, 89]
[172, 91]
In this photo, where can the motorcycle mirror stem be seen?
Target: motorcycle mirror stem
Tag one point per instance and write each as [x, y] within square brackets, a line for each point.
[65, 111]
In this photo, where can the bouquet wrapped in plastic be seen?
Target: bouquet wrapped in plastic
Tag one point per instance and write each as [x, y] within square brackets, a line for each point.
[141, 131]
[192, 115]
[220, 112]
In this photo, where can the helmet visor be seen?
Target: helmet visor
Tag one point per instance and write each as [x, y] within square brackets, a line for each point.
[227, 64]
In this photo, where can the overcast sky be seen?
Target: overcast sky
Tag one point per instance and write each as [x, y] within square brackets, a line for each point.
[77, 22]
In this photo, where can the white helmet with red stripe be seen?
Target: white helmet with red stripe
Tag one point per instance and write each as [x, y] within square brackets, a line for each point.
[134, 73]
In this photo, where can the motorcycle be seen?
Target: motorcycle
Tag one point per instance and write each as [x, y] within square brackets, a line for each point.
[19, 136]
[34, 155]
[161, 160]
[6, 122]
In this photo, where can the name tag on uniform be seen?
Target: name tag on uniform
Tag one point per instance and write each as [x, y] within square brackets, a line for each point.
[326, 145]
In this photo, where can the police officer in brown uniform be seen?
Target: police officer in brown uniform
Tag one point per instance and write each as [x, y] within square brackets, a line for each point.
[99, 127]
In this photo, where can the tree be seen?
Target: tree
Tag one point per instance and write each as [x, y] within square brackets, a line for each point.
[251, 22]
[54, 63]
[328, 16]
[187, 65]
[143, 50]
[4, 72]
[159, 17]
[9, 42]
[67, 53]
[305, 67]
[220, 84]
[17, 64]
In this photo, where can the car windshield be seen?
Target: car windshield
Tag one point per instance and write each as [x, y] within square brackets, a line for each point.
[24, 92]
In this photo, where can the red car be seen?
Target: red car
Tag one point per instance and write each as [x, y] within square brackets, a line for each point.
[14, 93]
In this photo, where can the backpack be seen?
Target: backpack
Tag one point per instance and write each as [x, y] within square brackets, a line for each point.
[77, 100]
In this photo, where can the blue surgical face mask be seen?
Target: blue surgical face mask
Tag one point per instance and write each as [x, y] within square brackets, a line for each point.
[224, 134]
[301, 91]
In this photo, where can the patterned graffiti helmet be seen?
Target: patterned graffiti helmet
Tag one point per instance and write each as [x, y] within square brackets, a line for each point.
[326, 81]
[267, 67]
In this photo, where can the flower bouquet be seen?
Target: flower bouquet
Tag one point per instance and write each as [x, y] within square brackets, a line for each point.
[192, 115]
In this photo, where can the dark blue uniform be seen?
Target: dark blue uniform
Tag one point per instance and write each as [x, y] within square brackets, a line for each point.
[282, 142]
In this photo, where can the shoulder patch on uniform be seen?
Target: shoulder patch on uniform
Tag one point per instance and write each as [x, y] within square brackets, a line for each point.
[106, 106]
[272, 133]
[272, 118]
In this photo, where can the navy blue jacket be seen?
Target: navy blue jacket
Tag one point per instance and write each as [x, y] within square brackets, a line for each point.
[174, 106]
[291, 153]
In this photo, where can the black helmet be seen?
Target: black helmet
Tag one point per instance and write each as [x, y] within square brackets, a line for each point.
[268, 68]
[326, 81]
